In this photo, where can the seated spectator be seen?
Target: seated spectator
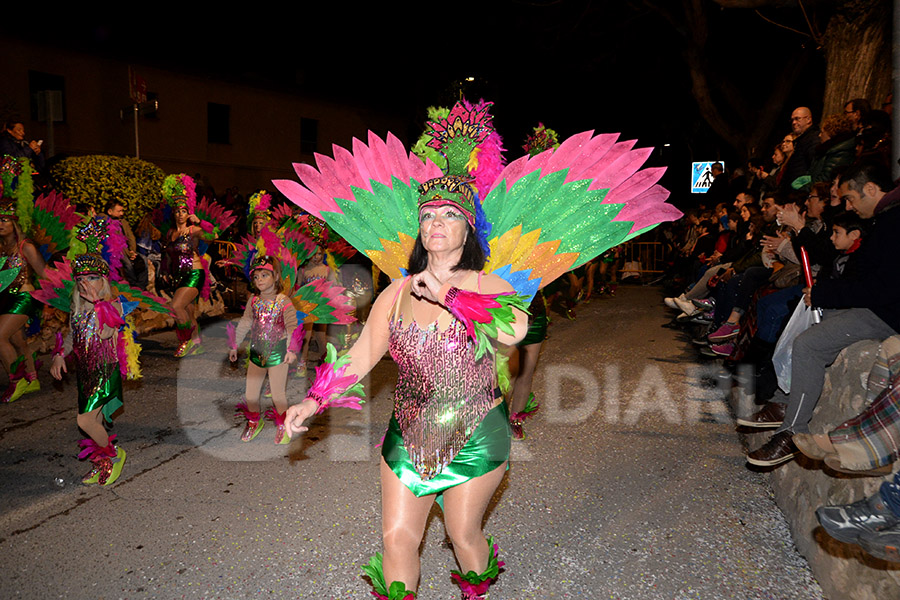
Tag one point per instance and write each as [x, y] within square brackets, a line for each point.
[863, 305]
[869, 443]
[746, 275]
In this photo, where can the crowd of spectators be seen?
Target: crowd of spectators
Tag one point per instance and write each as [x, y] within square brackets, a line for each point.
[794, 268]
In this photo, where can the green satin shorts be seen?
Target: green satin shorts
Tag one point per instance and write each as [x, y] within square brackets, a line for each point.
[19, 303]
[275, 357]
[108, 397]
[487, 449]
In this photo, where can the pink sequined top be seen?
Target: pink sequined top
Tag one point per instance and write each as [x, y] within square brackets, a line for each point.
[269, 321]
[442, 392]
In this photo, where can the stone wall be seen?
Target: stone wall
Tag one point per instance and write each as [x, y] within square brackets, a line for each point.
[801, 486]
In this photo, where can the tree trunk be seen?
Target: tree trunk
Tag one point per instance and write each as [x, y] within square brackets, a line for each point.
[858, 54]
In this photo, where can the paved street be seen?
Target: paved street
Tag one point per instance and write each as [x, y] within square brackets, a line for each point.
[631, 484]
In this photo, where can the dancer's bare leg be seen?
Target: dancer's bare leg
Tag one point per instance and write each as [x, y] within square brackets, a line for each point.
[255, 378]
[403, 518]
[92, 424]
[464, 508]
[20, 343]
[278, 384]
[528, 359]
[9, 325]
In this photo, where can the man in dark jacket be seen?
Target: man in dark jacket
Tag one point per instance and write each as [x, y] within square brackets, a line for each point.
[806, 138]
[865, 305]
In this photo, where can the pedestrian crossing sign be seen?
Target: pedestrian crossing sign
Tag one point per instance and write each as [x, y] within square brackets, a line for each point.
[702, 177]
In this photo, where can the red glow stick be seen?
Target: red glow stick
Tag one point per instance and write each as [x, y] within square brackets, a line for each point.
[807, 271]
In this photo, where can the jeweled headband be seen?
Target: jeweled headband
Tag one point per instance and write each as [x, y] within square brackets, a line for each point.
[90, 264]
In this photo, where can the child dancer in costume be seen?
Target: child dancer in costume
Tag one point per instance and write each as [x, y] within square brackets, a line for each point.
[185, 270]
[449, 437]
[272, 315]
[97, 340]
[270, 318]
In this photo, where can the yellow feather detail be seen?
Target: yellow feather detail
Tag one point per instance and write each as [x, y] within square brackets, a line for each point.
[395, 255]
[472, 165]
[132, 351]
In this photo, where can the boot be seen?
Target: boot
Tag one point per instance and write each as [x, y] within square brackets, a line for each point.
[188, 343]
[254, 424]
[475, 586]
[375, 572]
[517, 420]
[277, 418]
[16, 375]
[107, 461]
[29, 383]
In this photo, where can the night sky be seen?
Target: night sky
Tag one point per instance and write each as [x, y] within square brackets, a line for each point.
[573, 65]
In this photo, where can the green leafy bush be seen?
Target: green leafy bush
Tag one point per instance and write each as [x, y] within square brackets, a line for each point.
[94, 180]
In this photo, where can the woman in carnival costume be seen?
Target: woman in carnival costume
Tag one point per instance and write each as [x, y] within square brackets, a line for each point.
[449, 436]
[185, 269]
[100, 339]
[17, 306]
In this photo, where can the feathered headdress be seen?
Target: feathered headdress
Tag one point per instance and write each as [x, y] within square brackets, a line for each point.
[456, 138]
[542, 139]
[259, 205]
[87, 257]
[180, 191]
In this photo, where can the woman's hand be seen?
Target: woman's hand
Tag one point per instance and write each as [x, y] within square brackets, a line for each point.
[193, 219]
[58, 367]
[297, 414]
[426, 286]
[232, 355]
[290, 358]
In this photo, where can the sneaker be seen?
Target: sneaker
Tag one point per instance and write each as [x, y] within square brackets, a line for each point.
[724, 333]
[883, 544]
[117, 463]
[700, 341]
[702, 318]
[771, 415]
[686, 306]
[517, 431]
[251, 430]
[779, 449]
[705, 304]
[722, 349]
[849, 521]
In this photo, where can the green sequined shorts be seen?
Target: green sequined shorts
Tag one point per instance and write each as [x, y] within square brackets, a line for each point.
[194, 279]
[487, 449]
[19, 303]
